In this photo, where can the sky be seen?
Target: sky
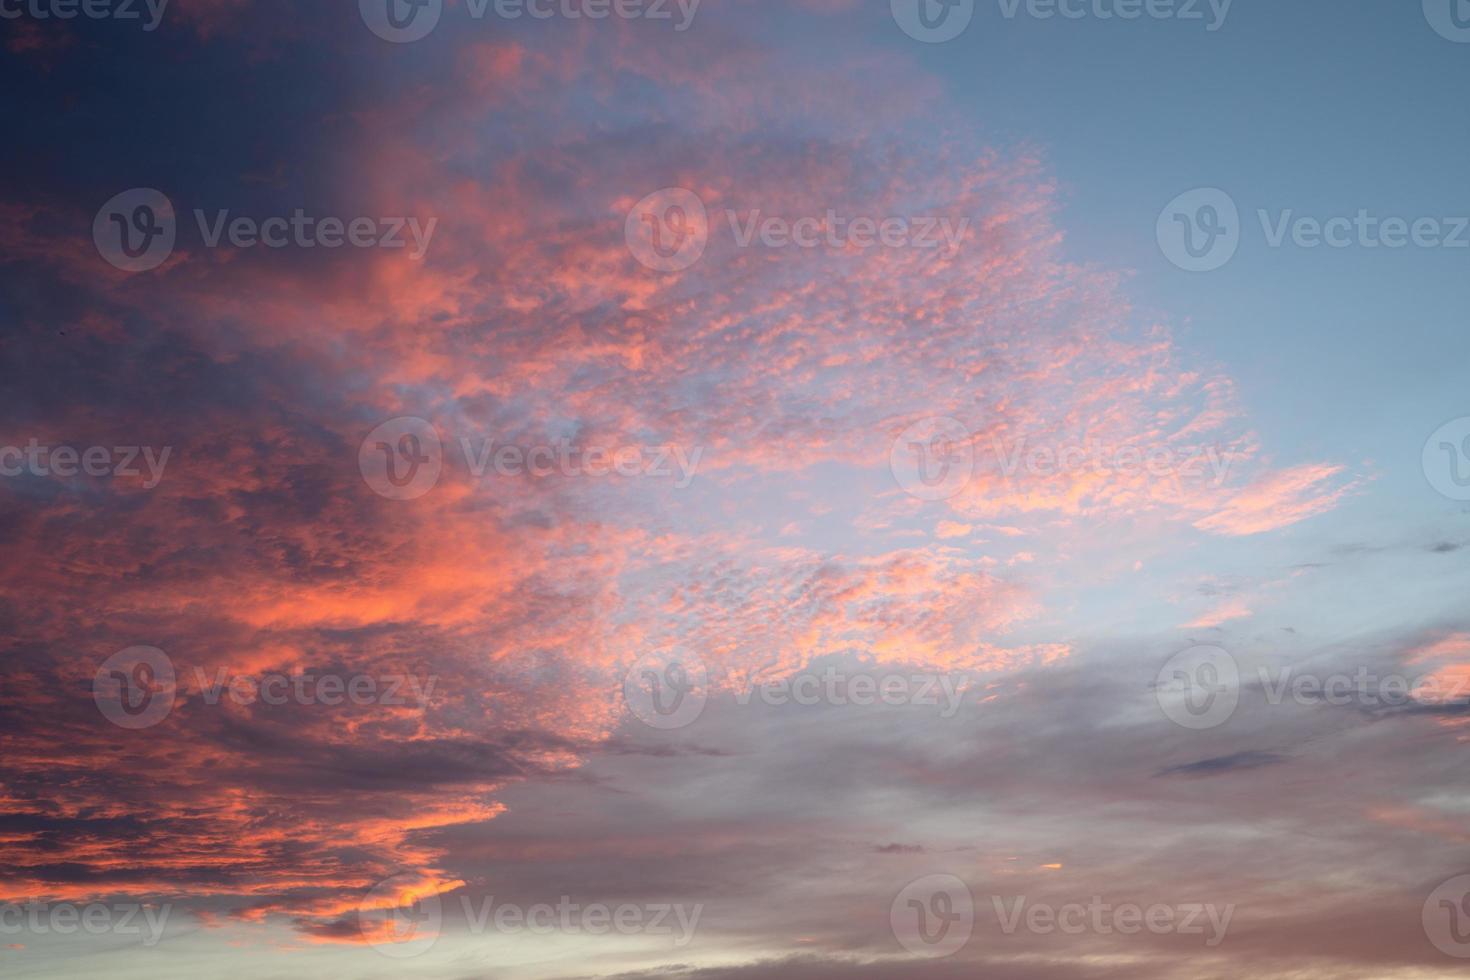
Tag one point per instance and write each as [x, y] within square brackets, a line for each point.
[819, 489]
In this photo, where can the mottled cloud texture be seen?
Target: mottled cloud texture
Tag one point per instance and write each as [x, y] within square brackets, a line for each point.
[511, 606]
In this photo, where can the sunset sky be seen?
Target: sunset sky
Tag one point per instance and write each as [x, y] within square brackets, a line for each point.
[764, 472]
